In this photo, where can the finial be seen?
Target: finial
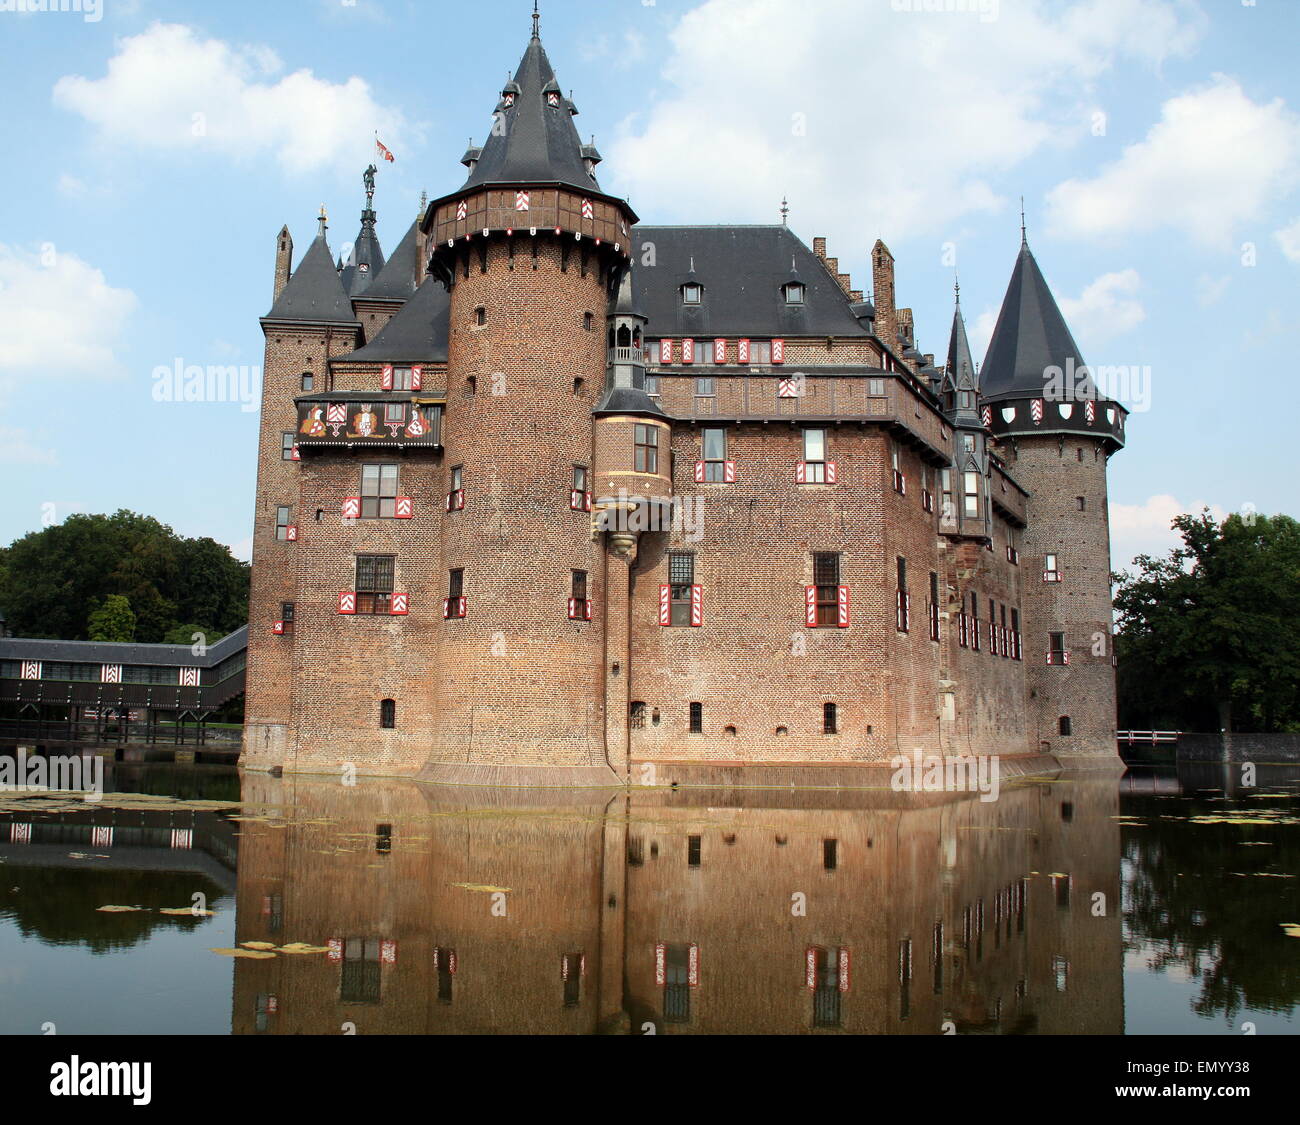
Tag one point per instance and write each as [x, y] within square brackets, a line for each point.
[785, 211]
[537, 19]
[956, 287]
[1024, 241]
[322, 220]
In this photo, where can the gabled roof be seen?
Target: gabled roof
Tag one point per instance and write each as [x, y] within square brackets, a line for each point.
[396, 281]
[366, 252]
[534, 142]
[742, 269]
[416, 334]
[314, 293]
[1031, 336]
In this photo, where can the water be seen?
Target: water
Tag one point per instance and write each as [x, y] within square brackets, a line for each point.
[1152, 903]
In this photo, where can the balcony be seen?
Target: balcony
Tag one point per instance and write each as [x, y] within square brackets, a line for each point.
[392, 420]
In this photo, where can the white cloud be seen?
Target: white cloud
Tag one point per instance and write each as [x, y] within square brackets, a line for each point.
[1289, 239]
[169, 89]
[1144, 529]
[58, 315]
[1107, 308]
[1210, 290]
[1214, 161]
[17, 447]
[901, 119]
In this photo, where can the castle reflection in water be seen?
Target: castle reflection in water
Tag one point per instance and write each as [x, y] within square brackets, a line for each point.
[452, 911]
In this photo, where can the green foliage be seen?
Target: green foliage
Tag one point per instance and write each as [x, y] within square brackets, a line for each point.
[112, 621]
[184, 635]
[52, 580]
[1209, 637]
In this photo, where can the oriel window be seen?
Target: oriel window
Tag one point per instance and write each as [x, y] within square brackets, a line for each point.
[647, 449]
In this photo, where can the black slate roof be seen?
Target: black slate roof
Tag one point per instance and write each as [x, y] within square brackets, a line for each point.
[396, 281]
[535, 143]
[1031, 335]
[417, 333]
[367, 252]
[314, 292]
[742, 269]
[108, 652]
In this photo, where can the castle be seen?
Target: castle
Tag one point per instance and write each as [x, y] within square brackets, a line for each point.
[553, 497]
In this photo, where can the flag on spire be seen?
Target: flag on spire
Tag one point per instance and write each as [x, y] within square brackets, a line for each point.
[383, 150]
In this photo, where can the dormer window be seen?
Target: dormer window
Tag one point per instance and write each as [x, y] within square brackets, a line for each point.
[794, 292]
[692, 294]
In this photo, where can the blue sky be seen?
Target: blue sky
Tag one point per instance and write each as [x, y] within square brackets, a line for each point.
[156, 151]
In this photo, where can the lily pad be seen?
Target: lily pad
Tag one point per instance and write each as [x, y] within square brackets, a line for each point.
[255, 954]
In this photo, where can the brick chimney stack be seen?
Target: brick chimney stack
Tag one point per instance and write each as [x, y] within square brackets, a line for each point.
[882, 281]
[283, 261]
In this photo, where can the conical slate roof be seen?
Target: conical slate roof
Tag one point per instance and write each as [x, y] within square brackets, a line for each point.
[1031, 336]
[533, 142]
[960, 374]
[366, 259]
[396, 280]
[417, 333]
[314, 293]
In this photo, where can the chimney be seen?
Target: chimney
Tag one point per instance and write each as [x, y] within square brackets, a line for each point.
[855, 295]
[283, 261]
[882, 283]
[905, 325]
[819, 248]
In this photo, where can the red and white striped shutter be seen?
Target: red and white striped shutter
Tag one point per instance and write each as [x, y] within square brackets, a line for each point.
[352, 508]
[843, 605]
[844, 969]
[665, 352]
[787, 388]
[110, 674]
[778, 351]
[699, 472]
[278, 628]
[1036, 410]
[665, 605]
[522, 201]
[462, 209]
[832, 474]
[801, 472]
[403, 509]
[189, 677]
[291, 533]
[810, 969]
[335, 954]
[417, 378]
[101, 837]
[460, 607]
[697, 605]
[446, 609]
[575, 500]
[295, 455]
[400, 605]
[688, 351]
[810, 604]
[661, 963]
[183, 838]
[388, 952]
[742, 351]
[586, 501]
[588, 211]
[386, 377]
[719, 351]
[693, 967]
[586, 610]
[729, 472]
[336, 414]
[348, 602]
[573, 608]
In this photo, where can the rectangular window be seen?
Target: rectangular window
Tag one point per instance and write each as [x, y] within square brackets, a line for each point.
[579, 478]
[1015, 634]
[896, 463]
[1056, 650]
[927, 490]
[704, 387]
[681, 580]
[308, 381]
[947, 513]
[282, 523]
[760, 351]
[454, 606]
[704, 352]
[1005, 647]
[287, 610]
[444, 960]
[830, 723]
[378, 491]
[826, 988]
[993, 627]
[970, 497]
[361, 971]
[715, 455]
[571, 971]
[934, 606]
[579, 606]
[375, 583]
[697, 718]
[975, 622]
[394, 413]
[652, 385]
[903, 609]
[826, 577]
[677, 984]
[692, 851]
[876, 387]
[402, 379]
[287, 442]
[1051, 569]
[814, 455]
[647, 449]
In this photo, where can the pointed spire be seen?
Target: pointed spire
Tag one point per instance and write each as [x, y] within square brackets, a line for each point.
[314, 293]
[785, 211]
[537, 19]
[396, 281]
[1024, 238]
[323, 221]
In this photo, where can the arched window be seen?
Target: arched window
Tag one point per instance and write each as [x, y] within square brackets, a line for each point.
[624, 336]
[388, 714]
[1066, 727]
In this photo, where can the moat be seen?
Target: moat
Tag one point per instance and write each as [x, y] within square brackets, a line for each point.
[1157, 902]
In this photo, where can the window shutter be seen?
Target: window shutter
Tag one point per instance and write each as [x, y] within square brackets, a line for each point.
[295, 455]
[400, 605]
[278, 628]
[688, 351]
[404, 509]
[576, 500]
[661, 963]
[586, 610]
[347, 602]
[386, 377]
[699, 472]
[844, 969]
[352, 508]
[801, 473]
[665, 352]
[693, 967]
[665, 605]
[810, 605]
[697, 605]
[573, 608]
[810, 969]
[729, 472]
[778, 351]
[742, 351]
[291, 533]
[417, 378]
[719, 351]
[843, 607]
[586, 501]
[832, 475]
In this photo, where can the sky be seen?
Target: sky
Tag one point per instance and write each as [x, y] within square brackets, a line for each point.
[156, 148]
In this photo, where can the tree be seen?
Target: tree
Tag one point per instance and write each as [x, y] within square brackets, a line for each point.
[112, 621]
[1209, 637]
[184, 635]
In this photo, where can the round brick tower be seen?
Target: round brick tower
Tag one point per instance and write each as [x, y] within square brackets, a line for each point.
[1058, 433]
[529, 248]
